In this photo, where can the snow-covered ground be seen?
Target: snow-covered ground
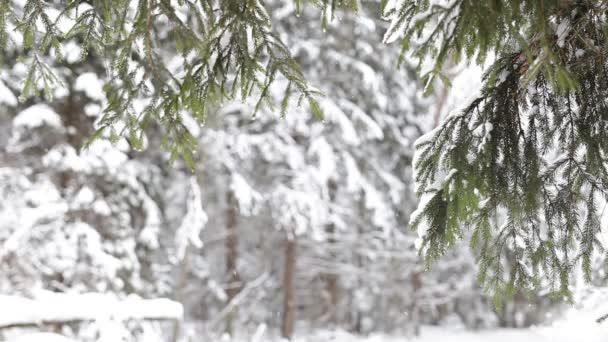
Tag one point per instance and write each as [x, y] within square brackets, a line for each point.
[429, 334]
[578, 324]
[574, 331]
[435, 334]
[41, 337]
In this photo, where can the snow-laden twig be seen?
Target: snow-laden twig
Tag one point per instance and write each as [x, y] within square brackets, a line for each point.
[259, 333]
[239, 298]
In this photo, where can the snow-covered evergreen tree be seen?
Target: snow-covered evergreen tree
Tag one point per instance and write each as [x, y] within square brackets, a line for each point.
[272, 216]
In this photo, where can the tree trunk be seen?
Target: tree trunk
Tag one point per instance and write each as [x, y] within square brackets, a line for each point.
[77, 127]
[416, 287]
[289, 295]
[359, 262]
[233, 278]
[331, 278]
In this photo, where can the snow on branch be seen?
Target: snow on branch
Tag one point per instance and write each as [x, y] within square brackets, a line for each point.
[247, 198]
[37, 116]
[42, 337]
[196, 219]
[63, 308]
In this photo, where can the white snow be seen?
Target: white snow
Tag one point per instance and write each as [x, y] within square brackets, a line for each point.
[577, 327]
[397, 27]
[37, 116]
[71, 52]
[373, 131]
[247, 198]
[562, 31]
[189, 231]
[92, 109]
[91, 85]
[297, 210]
[369, 77]
[589, 331]
[190, 123]
[483, 203]
[66, 307]
[41, 337]
[282, 167]
[100, 155]
[334, 114]
[84, 196]
[64, 23]
[503, 76]
[579, 322]
[441, 180]
[6, 96]
[325, 157]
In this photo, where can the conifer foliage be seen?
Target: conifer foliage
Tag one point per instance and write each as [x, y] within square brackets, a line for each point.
[229, 51]
[524, 163]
